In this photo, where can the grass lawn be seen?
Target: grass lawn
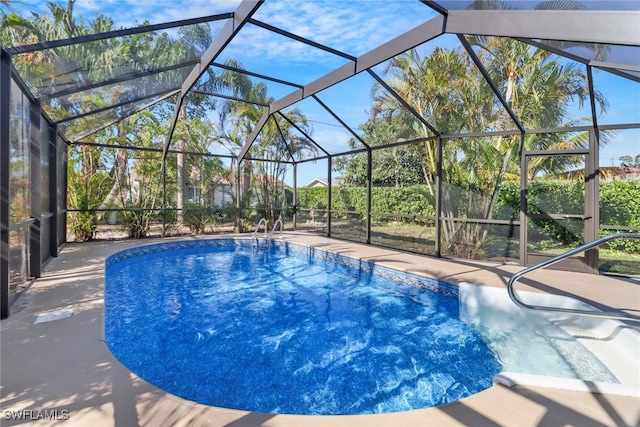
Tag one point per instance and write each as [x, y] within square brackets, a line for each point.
[421, 239]
[612, 261]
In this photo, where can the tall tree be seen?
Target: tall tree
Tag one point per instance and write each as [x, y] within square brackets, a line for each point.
[277, 141]
[444, 88]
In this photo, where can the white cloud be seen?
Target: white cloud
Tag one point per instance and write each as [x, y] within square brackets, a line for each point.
[131, 13]
[354, 27]
[332, 140]
[351, 26]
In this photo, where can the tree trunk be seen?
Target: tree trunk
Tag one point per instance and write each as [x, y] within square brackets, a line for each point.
[88, 168]
[246, 182]
[180, 158]
[120, 169]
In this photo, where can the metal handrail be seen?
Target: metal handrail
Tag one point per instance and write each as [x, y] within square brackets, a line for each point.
[278, 221]
[546, 263]
[19, 225]
[262, 221]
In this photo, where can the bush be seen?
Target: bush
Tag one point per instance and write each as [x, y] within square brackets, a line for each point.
[619, 204]
[136, 223]
[195, 219]
[414, 200]
[314, 197]
[85, 196]
[82, 225]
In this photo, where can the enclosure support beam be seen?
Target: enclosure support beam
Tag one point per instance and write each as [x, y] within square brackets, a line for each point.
[404, 103]
[238, 201]
[300, 39]
[523, 203]
[163, 171]
[339, 120]
[254, 134]
[116, 33]
[583, 26]
[5, 142]
[35, 257]
[124, 116]
[52, 136]
[295, 195]
[172, 129]
[284, 140]
[368, 206]
[258, 75]
[592, 101]
[242, 14]
[65, 185]
[435, 6]
[490, 82]
[232, 98]
[329, 189]
[591, 200]
[120, 79]
[402, 43]
[438, 224]
[303, 133]
[116, 105]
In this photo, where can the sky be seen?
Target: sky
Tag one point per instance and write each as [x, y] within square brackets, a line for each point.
[348, 27]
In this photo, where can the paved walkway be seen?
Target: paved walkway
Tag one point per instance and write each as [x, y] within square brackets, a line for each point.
[63, 369]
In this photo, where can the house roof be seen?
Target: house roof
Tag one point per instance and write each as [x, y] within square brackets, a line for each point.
[322, 182]
[317, 182]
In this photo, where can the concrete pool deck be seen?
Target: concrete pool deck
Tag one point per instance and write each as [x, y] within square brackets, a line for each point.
[62, 369]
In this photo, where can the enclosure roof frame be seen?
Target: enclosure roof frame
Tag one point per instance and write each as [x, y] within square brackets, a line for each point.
[534, 27]
[584, 26]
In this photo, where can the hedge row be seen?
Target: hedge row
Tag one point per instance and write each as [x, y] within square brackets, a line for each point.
[412, 200]
[619, 200]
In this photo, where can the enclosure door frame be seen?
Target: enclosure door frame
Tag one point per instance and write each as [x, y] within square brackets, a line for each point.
[589, 261]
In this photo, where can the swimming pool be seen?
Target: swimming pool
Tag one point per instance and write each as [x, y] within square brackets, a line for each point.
[290, 329]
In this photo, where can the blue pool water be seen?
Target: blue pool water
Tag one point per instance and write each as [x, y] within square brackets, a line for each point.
[282, 330]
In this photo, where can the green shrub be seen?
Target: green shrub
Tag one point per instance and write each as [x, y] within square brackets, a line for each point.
[313, 197]
[414, 200]
[619, 204]
[136, 222]
[195, 219]
[85, 195]
[82, 225]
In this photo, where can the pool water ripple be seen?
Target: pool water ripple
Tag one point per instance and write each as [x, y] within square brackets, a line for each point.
[279, 331]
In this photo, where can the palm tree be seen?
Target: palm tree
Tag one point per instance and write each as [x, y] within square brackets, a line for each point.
[50, 70]
[277, 140]
[443, 88]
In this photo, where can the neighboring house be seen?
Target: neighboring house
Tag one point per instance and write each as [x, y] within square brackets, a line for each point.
[317, 182]
[275, 185]
[223, 189]
[622, 173]
[607, 173]
[321, 182]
